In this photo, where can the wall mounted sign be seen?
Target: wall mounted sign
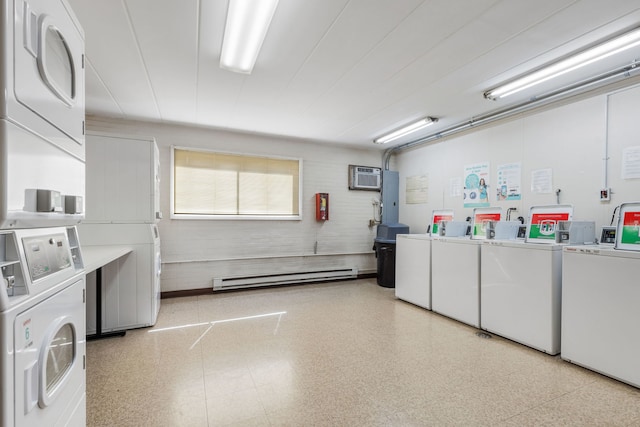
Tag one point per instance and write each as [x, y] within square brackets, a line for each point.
[542, 181]
[417, 189]
[509, 182]
[476, 185]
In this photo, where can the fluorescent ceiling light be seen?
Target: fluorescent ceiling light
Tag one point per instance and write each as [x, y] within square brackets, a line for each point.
[413, 127]
[596, 53]
[244, 32]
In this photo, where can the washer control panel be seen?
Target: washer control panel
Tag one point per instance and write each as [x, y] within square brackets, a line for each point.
[46, 254]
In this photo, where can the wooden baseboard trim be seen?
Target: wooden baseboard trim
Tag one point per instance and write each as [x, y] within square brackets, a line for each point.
[186, 293]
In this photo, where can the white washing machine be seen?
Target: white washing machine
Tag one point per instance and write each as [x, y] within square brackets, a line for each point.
[455, 278]
[42, 321]
[521, 285]
[131, 284]
[41, 114]
[413, 269]
[600, 315]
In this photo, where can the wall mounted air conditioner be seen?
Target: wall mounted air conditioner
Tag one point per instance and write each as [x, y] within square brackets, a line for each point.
[364, 178]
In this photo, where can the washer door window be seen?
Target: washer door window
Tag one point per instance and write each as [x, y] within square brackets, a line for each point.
[49, 348]
[56, 359]
[60, 355]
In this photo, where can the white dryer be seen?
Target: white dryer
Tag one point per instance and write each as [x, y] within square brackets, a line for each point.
[42, 322]
[41, 114]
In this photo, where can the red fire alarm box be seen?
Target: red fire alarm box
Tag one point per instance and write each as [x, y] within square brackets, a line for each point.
[322, 206]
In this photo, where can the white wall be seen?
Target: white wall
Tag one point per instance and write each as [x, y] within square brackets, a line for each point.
[196, 251]
[570, 139]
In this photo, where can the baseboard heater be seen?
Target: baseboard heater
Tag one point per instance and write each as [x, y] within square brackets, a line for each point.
[221, 283]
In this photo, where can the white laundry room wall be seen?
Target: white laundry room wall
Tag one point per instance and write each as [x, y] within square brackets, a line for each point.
[582, 142]
[196, 251]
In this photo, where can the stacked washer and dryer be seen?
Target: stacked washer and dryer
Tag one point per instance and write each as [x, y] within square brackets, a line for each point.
[42, 187]
[123, 178]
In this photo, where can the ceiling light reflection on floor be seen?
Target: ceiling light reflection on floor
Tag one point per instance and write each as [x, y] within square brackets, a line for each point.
[215, 322]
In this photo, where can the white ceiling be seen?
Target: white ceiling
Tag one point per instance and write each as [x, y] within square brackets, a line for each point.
[340, 71]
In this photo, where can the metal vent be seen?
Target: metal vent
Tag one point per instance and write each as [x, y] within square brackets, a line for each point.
[364, 178]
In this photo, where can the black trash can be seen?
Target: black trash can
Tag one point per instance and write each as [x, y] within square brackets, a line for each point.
[386, 262]
[385, 248]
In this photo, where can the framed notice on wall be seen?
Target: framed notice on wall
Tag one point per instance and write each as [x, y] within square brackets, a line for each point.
[417, 189]
[628, 231]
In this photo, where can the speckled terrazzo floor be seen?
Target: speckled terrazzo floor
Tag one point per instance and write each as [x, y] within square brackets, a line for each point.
[335, 354]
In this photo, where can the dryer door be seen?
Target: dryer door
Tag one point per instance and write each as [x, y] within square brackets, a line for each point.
[49, 64]
[49, 358]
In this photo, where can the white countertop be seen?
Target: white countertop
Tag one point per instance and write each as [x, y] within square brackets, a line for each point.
[602, 250]
[521, 244]
[95, 257]
[414, 236]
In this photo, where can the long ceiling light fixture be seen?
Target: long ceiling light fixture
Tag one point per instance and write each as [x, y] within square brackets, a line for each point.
[596, 53]
[599, 82]
[244, 33]
[406, 130]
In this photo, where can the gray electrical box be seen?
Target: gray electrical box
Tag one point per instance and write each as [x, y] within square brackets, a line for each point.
[390, 196]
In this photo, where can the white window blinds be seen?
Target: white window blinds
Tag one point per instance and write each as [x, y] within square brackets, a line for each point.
[221, 184]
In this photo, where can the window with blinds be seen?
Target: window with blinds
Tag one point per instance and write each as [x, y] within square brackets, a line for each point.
[208, 184]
